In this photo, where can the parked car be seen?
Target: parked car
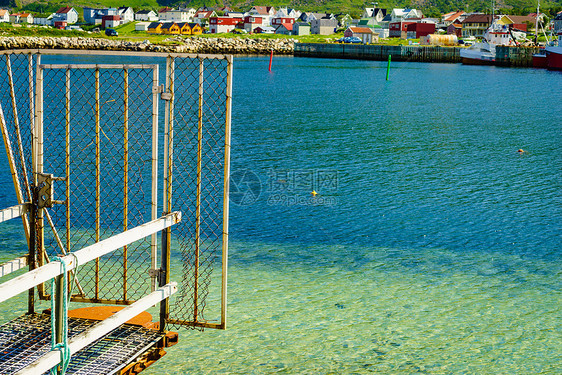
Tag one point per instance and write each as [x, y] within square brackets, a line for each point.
[349, 39]
[111, 32]
[352, 39]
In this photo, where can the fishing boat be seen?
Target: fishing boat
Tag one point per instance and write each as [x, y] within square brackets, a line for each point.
[484, 52]
[554, 54]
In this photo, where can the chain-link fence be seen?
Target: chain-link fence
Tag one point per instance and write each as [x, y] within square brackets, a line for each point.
[104, 135]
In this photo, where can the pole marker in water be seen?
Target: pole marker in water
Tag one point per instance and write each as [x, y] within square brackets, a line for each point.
[270, 59]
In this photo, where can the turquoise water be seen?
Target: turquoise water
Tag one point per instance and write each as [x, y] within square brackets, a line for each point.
[433, 246]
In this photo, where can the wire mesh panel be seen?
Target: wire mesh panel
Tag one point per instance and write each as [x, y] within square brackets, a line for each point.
[96, 137]
[100, 144]
[25, 339]
[200, 123]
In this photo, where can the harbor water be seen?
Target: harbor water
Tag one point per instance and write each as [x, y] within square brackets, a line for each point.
[384, 226]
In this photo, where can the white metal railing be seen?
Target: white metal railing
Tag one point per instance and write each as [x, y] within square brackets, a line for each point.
[39, 275]
[52, 358]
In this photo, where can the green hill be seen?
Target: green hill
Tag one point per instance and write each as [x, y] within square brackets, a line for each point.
[353, 7]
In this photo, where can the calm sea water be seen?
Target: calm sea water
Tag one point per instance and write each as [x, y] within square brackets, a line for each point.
[432, 245]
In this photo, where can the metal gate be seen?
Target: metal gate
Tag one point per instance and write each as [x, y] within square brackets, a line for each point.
[97, 153]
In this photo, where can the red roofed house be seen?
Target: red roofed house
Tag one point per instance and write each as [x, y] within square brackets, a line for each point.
[453, 17]
[66, 14]
[267, 13]
[251, 22]
[111, 21]
[364, 33]
[285, 29]
[223, 24]
[26, 18]
[4, 15]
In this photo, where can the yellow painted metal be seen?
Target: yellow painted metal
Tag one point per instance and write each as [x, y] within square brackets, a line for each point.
[226, 191]
[125, 172]
[98, 177]
[198, 193]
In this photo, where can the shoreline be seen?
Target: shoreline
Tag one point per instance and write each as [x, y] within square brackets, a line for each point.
[505, 56]
[177, 45]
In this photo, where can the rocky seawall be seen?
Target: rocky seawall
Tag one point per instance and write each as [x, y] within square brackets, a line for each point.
[176, 44]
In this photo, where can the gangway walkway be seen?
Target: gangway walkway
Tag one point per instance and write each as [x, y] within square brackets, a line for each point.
[88, 137]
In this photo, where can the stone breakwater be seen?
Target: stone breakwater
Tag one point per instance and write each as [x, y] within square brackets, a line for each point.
[175, 44]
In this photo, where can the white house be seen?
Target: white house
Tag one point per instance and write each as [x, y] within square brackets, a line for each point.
[146, 15]
[202, 16]
[142, 26]
[66, 14]
[4, 15]
[399, 15]
[173, 15]
[376, 13]
[266, 13]
[127, 14]
[47, 21]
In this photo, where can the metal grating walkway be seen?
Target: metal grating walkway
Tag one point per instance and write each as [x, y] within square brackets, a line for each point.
[28, 337]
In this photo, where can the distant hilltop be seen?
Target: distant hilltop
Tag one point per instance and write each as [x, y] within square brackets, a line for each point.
[430, 8]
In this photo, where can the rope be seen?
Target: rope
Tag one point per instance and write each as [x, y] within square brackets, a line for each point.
[62, 346]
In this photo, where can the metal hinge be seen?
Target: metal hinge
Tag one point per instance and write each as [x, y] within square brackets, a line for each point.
[159, 275]
[46, 190]
[162, 91]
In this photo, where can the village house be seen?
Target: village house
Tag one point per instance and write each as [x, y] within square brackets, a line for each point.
[111, 21]
[67, 15]
[557, 25]
[452, 18]
[301, 28]
[364, 33]
[223, 24]
[266, 13]
[173, 15]
[146, 15]
[251, 22]
[475, 25]
[377, 14]
[4, 15]
[155, 28]
[142, 26]
[170, 28]
[94, 16]
[264, 30]
[275, 22]
[284, 29]
[399, 29]
[202, 17]
[398, 14]
[127, 14]
[15, 18]
[287, 13]
[419, 29]
[455, 29]
[26, 18]
[517, 22]
[323, 26]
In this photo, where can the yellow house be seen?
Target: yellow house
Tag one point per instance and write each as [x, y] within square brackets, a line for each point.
[190, 28]
[154, 28]
[196, 28]
[170, 28]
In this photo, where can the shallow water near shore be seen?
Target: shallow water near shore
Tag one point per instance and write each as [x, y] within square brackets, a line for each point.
[432, 246]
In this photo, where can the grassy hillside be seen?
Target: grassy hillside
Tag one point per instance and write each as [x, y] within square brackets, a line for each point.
[354, 7]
